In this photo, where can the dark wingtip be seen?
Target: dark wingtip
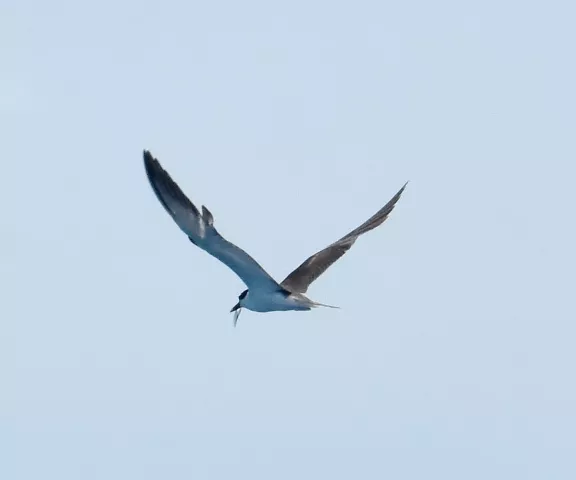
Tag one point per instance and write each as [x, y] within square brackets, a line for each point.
[151, 164]
[396, 197]
[149, 160]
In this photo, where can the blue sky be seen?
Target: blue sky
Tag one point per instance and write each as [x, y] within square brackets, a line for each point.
[453, 354]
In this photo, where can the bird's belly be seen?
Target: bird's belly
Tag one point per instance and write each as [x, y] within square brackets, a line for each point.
[274, 302]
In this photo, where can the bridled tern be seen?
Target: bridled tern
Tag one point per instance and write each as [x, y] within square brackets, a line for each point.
[263, 294]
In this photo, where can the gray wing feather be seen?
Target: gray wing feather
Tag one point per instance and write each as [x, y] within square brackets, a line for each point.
[301, 278]
[200, 230]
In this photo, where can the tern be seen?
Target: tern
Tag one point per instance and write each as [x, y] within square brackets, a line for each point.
[263, 294]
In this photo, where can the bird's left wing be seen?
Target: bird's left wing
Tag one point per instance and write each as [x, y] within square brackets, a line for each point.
[314, 266]
[200, 229]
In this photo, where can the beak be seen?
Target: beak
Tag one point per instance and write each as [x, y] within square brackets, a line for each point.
[236, 311]
[235, 307]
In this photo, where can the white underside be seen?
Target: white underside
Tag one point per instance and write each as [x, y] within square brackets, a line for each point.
[264, 301]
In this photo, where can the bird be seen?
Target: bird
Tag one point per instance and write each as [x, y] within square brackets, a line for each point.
[263, 293]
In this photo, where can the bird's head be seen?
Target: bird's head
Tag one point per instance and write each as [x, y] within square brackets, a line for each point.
[238, 307]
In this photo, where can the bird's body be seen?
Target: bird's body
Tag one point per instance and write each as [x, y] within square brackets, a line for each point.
[276, 301]
[264, 294]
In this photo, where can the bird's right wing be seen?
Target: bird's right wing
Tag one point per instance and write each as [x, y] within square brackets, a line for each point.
[200, 229]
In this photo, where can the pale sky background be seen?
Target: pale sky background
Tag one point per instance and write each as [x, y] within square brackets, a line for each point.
[453, 356]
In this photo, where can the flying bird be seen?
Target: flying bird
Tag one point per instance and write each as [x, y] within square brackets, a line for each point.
[263, 294]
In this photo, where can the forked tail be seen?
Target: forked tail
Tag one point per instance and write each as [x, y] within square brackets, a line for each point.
[316, 304]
